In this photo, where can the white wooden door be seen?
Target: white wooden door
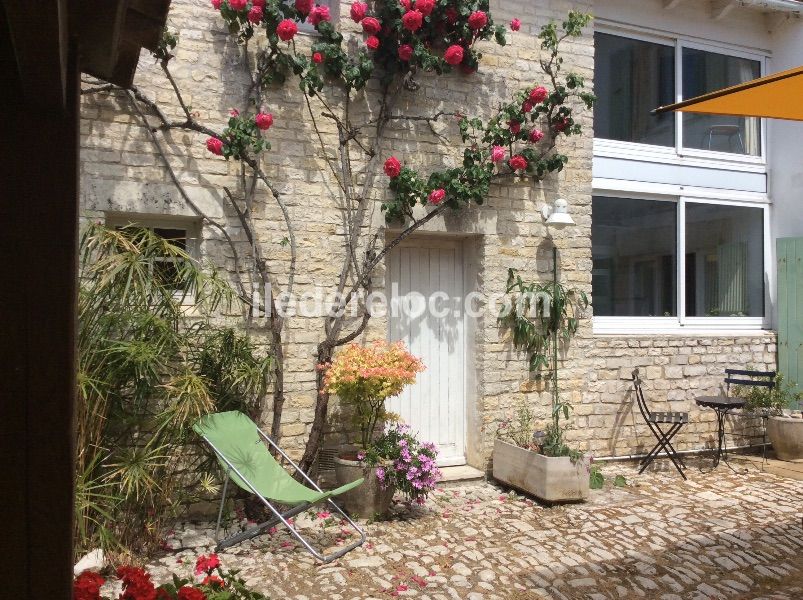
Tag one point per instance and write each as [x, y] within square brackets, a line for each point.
[426, 312]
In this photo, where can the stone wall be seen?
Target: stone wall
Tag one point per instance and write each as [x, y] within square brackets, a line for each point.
[123, 173]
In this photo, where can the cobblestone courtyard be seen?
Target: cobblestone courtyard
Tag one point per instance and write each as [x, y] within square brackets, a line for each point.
[718, 535]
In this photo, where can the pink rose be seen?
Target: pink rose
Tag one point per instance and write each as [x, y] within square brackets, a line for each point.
[477, 20]
[317, 58]
[498, 153]
[412, 20]
[538, 94]
[216, 4]
[437, 196]
[372, 42]
[515, 127]
[425, 7]
[527, 105]
[318, 14]
[263, 120]
[405, 52]
[214, 145]
[234, 112]
[358, 10]
[371, 25]
[515, 25]
[536, 135]
[237, 4]
[255, 14]
[392, 167]
[304, 6]
[286, 30]
[453, 55]
[518, 163]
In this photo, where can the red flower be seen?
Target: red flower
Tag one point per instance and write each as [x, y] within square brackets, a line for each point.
[263, 121]
[137, 584]
[207, 564]
[425, 7]
[216, 4]
[392, 167]
[527, 105]
[515, 127]
[287, 29]
[405, 52]
[372, 42]
[318, 14]
[190, 593]
[237, 4]
[304, 6]
[213, 581]
[407, 4]
[515, 25]
[454, 55]
[371, 25]
[358, 10]
[477, 20]
[451, 15]
[538, 94]
[562, 124]
[437, 196]
[518, 163]
[260, 3]
[317, 58]
[87, 586]
[412, 20]
[536, 135]
[214, 145]
[255, 14]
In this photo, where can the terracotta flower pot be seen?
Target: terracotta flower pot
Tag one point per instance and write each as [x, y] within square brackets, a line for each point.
[367, 501]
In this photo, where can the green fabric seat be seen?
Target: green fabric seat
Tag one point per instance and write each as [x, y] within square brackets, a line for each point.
[236, 437]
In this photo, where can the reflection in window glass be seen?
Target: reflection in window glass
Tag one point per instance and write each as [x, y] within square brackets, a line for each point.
[724, 261]
[634, 253]
[631, 78]
[705, 72]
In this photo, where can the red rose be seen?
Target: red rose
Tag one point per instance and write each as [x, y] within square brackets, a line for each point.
[190, 593]
[437, 196]
[412, 20]
[538, 94]
[477, 20]
[318, 14]
[317, 58]
[207, 564]
[407, 4]
[237, 4]
[454, 55]
[562, 124]
[286, 30]
[392, 167]
[216, 4]
[258, 3]
[405, 52]
[527, 106]
[255, 14]
[451, 15]
[213, 581]
[372, 42]
[371, 25]
[536, 135]
[518, 163]
[515, 127]
[425, 7]
[515, 25]
[263, 121]
[87, 586]
[358, 10]
[304, 6]
[214, 145]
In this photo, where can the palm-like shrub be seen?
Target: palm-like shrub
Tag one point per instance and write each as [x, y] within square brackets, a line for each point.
[149, 365]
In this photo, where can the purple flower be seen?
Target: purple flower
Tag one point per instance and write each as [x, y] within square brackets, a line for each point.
[380, 474]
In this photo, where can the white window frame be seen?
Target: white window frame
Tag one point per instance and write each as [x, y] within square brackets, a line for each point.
[681, 324]
[677, 154]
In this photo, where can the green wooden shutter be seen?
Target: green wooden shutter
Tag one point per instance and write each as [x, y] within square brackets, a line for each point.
[790, 309]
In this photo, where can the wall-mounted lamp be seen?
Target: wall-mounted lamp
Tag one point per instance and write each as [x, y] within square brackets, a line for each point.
[557, 215]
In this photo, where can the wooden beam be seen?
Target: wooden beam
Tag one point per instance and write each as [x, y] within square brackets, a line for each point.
[721, 8]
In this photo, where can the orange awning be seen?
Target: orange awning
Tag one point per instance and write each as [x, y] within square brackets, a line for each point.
[776, 96]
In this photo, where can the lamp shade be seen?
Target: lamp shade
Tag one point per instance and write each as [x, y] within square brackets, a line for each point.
[558, 215]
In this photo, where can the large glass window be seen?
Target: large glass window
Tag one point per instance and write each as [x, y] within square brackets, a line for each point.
[634, 253]
[635, 265]
[633, 77]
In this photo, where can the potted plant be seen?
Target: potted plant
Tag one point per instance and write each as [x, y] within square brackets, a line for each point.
[363, 377]
[784, 427]
[539, 462]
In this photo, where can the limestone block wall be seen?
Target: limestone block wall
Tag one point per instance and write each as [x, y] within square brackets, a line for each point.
[122, 172]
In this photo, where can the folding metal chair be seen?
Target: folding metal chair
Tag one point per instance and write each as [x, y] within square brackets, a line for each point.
[658, 422]
[240, 448]
[765, 379]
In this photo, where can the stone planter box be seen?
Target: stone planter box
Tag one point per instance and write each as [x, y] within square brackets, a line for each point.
[366, 501]
[552, 479]
[786, 435]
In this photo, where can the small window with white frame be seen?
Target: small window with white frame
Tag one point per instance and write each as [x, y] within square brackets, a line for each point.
[668, 263]
[182, 232]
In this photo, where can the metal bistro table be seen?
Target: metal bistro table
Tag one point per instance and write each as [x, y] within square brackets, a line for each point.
[722, 405]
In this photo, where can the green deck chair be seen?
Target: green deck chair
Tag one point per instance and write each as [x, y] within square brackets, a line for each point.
[239, 447]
